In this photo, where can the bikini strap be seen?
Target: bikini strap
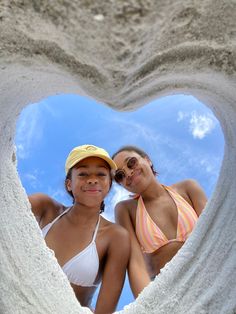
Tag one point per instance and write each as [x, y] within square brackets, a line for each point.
[134, 196]
[96, 229]
[59, 216]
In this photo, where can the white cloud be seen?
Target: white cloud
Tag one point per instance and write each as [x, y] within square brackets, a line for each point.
[137, 131]
[31, 179]
[117, 194]
[50, 110]
[29, 131]
[199, 124]
[58, 193]
[211, 165]
[182, 115]
[20, 150]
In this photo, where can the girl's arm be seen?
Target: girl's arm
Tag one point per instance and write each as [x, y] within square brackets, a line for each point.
[196, 195]
[137, 271]
[114, 271]
[43, 205]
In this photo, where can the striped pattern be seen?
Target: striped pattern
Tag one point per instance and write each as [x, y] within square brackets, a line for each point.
[150, 236]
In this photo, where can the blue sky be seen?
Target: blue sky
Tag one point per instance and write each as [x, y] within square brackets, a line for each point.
[182, 137]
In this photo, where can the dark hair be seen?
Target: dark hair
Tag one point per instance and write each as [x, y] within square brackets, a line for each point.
[68, 177]
[139, 151]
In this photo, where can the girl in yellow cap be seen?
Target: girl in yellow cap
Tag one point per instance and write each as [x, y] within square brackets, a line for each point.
[85, 243]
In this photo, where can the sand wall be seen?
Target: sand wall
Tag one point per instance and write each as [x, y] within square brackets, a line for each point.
[124, 54]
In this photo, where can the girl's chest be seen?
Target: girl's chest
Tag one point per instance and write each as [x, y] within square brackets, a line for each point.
[68, 242]
[163, 213]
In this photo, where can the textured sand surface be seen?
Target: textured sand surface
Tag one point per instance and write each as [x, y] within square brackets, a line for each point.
[124, 54]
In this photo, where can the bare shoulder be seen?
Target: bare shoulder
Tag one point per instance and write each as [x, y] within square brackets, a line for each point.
[126, 206]
[193, 193]
[44, 200]
[44, 207]
[125, 203]
[115, 237]
[125, 212]
[115, 231]
[186, 186]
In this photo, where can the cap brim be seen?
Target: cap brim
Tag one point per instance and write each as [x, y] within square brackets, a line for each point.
[107, 159]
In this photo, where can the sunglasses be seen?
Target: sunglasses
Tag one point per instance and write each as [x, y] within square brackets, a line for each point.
[120, 174]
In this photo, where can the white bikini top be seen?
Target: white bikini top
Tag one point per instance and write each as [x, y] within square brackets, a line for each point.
[82, 269]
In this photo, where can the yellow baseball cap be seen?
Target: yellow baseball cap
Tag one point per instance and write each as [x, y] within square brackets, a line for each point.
[84, 151]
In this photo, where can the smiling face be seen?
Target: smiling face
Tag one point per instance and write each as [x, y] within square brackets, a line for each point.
[137, 171]
[90, 181]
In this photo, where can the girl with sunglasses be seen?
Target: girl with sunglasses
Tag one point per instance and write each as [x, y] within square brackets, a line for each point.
[85, 243]
[159, 218]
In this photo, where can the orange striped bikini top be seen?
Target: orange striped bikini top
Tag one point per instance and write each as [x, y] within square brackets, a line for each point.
[150, 236]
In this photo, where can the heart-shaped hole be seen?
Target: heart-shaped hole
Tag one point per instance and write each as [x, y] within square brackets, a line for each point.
[181, 135]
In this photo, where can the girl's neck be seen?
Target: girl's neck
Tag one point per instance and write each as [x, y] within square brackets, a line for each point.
[80, 213]
[153, 191]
